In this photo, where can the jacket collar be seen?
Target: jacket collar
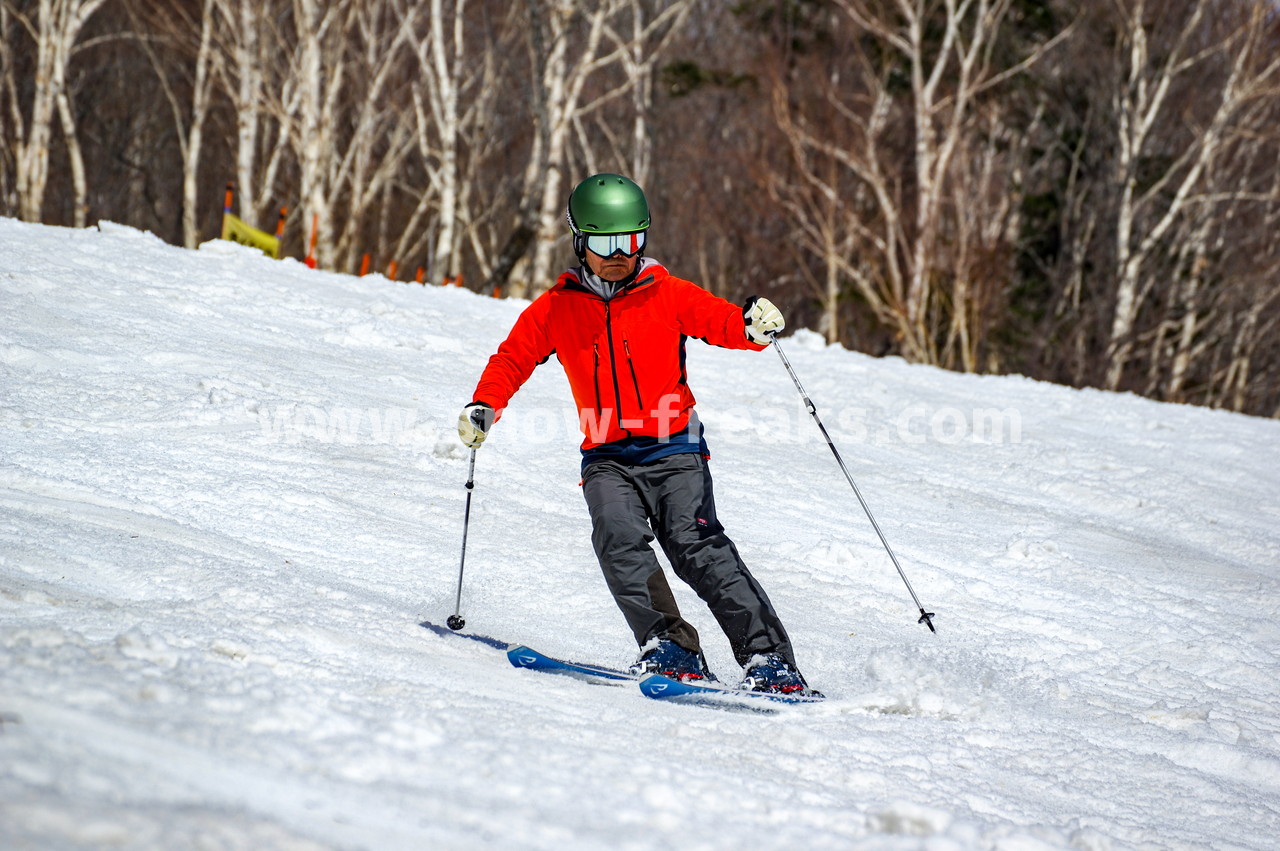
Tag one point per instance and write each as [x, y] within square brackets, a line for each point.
[576, 279]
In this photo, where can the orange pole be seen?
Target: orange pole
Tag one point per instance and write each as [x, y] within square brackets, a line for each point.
[284, 211]
[227, 199]
[421, 274]
[364, 265]
[392, 268]
[311, 251]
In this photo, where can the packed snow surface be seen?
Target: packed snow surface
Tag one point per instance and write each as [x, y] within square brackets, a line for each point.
[231, 490]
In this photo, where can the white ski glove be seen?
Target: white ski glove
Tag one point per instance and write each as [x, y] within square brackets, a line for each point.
[474, 424]
[763, 320]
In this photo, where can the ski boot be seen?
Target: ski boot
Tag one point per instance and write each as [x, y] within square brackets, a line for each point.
[669, 659]
[771, 672]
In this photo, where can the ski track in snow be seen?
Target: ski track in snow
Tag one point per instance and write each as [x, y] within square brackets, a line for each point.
[230, 490]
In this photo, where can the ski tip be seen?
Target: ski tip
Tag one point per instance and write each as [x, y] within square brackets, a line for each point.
[524, 657]
[443, 630]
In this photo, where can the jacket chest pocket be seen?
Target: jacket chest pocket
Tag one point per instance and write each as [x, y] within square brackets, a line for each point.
[616, 381]
[631, 369]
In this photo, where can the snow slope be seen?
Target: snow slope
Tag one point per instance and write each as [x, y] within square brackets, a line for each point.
[230, 491]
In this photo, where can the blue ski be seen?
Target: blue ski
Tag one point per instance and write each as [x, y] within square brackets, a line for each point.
[723, 697]
[526, 657]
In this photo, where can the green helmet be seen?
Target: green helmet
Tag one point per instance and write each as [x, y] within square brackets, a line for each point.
[608, 203]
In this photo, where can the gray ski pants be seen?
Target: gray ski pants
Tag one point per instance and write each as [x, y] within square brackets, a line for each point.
[671, 499]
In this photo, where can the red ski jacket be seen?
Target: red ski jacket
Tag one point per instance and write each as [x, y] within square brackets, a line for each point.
[624, 357]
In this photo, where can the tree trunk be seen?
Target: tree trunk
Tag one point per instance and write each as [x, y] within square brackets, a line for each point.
[79, 182]
[55, 29]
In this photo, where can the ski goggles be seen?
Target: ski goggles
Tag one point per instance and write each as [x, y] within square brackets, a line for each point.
[607, 245]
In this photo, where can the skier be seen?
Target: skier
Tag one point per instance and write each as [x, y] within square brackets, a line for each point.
[618, 324]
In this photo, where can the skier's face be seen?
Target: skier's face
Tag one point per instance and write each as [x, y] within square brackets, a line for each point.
[613, 268]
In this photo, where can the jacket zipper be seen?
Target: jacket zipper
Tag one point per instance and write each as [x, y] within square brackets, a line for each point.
[613, 366]
[635, 382]
[596, 372]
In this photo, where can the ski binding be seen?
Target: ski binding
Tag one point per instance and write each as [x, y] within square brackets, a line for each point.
[659, 687]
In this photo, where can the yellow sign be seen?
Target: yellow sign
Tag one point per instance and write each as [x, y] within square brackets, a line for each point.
[235, 230]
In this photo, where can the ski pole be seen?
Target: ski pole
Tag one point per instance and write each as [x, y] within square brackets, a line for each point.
[925, 617]
[455, 621]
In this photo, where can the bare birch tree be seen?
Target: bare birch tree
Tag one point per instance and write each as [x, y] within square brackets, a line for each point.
[578, 45]
[317, 77]
[54, 27]
[810, 193]
[948, 52]
[912, 70]
[348, 133]
[1148, 131]
[443, 52]
[570, 58]
[378, 117]
[11, 120]
[191, 40]
[641, 36]
[253, 56]
[453, 94]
